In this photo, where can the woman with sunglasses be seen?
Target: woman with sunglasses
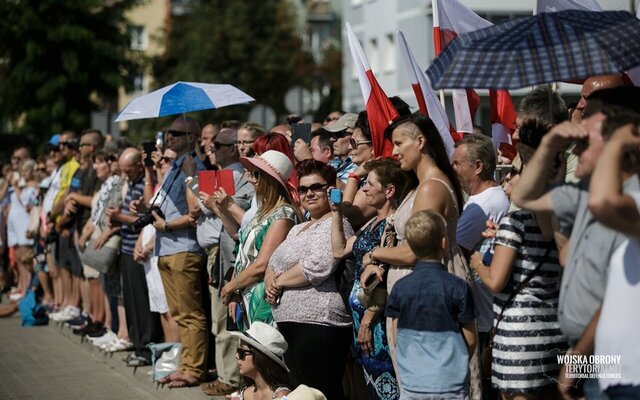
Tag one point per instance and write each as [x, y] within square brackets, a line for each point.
[261, 364]
[355, 206]
[275, 217]
[302, 288]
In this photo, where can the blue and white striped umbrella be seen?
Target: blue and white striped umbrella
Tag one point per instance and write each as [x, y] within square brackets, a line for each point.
[182, 97]
[549, 47]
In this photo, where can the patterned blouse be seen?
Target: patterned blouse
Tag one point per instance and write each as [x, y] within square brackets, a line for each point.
[318, 303]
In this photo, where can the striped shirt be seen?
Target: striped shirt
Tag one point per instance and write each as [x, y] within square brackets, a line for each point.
[129, 236]
[528, 338]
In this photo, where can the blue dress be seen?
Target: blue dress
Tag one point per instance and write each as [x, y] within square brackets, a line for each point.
[378, 368]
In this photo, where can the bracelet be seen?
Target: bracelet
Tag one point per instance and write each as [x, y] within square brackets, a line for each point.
[353, 175]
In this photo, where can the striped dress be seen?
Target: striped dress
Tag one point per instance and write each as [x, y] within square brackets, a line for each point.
[528, 338]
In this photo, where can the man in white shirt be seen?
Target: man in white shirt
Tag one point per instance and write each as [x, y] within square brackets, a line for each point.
[474, 161]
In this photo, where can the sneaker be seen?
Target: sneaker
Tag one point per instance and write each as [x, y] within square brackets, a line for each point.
[91, 327]
[79, 321]
[15, 296]
[119, 345]
[138, 361]
[108, 337]
[69, 313]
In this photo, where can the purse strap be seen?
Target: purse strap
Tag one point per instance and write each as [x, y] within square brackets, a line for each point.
[523, 284]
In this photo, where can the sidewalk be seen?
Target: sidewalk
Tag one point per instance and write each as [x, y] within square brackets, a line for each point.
[49, 362]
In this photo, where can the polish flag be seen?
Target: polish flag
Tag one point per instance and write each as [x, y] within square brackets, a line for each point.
[450, 18]
[380, 111]
[503, 122]
[550, 6]
[427, 100]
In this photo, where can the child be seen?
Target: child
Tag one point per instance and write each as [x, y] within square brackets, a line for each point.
[433, 318]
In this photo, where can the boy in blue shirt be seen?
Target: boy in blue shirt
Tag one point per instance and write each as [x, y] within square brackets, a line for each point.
[433, 318]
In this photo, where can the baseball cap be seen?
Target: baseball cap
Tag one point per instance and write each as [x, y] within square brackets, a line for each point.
[347, 121]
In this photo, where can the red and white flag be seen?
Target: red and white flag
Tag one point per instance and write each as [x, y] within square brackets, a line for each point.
[380, 111]
[550, 6]
[450, 18]
[427, 100]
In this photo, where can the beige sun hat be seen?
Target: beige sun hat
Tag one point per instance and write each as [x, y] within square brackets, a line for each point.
[266, 339]
[272, 162]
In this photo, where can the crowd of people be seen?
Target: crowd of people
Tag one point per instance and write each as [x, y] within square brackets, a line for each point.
[321, 268]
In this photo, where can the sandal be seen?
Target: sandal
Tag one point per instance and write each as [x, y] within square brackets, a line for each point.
[182, 382]
[217, 388]
[169, 378]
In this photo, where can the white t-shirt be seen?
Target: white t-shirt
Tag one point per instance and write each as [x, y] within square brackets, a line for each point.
[492, 203]
[617, 332]
[52, 192]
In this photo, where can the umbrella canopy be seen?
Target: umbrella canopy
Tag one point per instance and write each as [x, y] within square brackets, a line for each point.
[549, 47]
[182, 97]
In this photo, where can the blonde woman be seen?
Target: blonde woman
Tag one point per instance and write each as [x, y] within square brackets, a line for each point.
[275, 217]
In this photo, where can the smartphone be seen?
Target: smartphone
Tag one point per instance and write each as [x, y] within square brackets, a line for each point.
[301, 131]
[371, 283]
[335, 196]
[148, 147]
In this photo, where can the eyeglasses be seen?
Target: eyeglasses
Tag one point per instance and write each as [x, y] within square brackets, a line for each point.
[316, 188]
[355, 143]
[166, 159]
[219, 145]
[177, 133]
[16, 158]
[243, 353]
[85, 144]
[70, 145]
[244, 142]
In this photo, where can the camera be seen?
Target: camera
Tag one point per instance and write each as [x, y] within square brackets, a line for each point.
[531, 133]
[146, 219]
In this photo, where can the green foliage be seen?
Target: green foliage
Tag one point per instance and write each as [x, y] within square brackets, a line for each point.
[60, 60]
[253, 45]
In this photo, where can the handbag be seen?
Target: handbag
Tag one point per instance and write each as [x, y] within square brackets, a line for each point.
[32, 312]
[104, 258]
[487, 352]
[165, 359]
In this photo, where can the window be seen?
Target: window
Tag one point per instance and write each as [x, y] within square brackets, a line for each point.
[139, 83]
[389, 53]
[372, 54]
[138, 37]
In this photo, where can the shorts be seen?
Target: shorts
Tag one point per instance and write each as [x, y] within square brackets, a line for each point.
[69, 258]
[112, 282]
[90, 273]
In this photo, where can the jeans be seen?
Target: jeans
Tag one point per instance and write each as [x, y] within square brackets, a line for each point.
[592, 390]
[624, 392]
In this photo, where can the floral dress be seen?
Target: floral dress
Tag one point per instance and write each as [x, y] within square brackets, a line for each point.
[378, 368]
[251, 238]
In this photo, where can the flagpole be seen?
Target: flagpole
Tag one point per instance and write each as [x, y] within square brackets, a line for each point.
[442, 98]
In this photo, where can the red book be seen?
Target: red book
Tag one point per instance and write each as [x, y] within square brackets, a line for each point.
[210, 181]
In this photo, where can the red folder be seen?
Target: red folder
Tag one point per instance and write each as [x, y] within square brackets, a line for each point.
[210, 181]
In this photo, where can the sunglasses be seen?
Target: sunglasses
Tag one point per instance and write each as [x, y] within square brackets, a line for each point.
[355, 143]
[219, 145]
[243, 353]
[167, 159]
[71, 145]
[316, 188]
[177, 133]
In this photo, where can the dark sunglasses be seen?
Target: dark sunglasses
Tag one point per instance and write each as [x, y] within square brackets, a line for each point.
[244, 142]
[219, 145]
[167, 159]
[177, 133]
[71, 145]
[355, 143]
[243, 353]
[316, 188]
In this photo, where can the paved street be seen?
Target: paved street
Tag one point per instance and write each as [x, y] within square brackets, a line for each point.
[51, 363]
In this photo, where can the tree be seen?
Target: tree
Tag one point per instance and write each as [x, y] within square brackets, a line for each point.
[253, 45]
[60, 60]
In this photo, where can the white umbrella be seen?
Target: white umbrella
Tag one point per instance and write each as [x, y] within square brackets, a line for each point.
[182, 97]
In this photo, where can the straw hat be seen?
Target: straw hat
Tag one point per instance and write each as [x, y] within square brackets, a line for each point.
[272, 162]
[266, 339]
[304, 392]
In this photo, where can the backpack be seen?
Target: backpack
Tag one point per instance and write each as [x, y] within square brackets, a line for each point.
[31, 311]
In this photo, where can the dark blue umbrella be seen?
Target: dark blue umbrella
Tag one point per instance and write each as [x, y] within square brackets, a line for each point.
[549, 47]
